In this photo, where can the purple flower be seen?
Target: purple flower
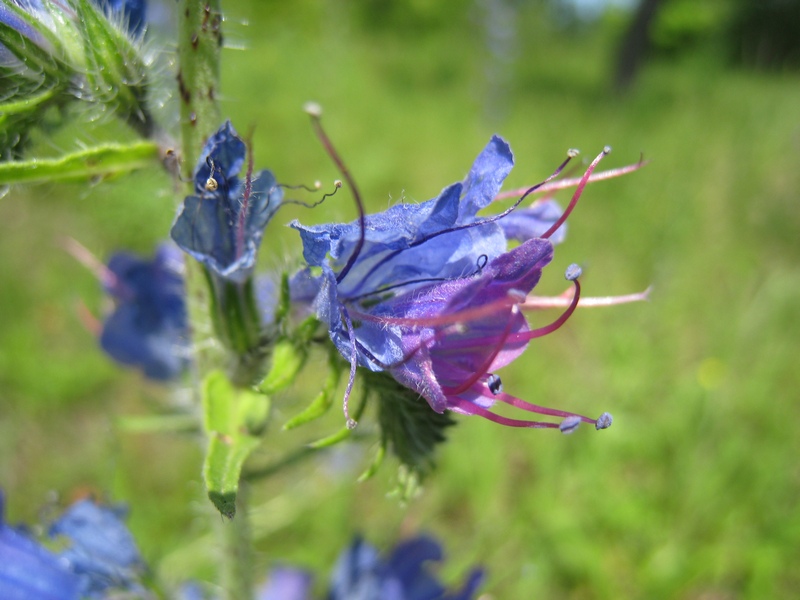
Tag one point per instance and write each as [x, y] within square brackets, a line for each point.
[148, 327]
[430, 293]
[362, 574]
[28, 570]
[221, 226]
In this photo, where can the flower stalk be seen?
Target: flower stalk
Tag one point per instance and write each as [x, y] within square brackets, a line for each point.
[199, 46]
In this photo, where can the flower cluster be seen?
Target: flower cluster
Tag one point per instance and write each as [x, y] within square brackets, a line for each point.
[97, 557]
[431, 294]
[361, 573]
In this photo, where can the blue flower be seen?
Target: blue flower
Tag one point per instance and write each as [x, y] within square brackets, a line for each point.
[362, 574]
[100, 549]
[28, 570]
[221, 226]
[431, 294]
[98, 556]
[148, 327]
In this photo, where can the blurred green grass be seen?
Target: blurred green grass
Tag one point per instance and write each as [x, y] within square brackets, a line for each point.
[691, 494]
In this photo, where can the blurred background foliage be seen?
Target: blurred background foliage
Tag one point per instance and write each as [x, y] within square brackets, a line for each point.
[691, 494]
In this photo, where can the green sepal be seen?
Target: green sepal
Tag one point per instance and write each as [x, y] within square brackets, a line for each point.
[115, 69]
[345, 432]
[322, 403]
[44, 65]
[233, 418]
[100, 161]
[288, 359]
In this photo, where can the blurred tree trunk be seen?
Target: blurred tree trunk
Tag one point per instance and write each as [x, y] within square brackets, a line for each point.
[634, 45]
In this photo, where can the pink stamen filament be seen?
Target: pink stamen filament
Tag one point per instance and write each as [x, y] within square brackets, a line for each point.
[534, 408]
[572, 203]
[487, 364]
[542, 302]
[84, 256]
[571, 182]
[474, 409]
[245, 208]
[516, 338]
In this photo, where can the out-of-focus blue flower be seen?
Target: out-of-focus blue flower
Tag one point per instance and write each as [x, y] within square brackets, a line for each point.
[430, 293]
[148, 327]
[362, 574]
[132, 13]
[100, 549]
[28, 571]
[286, 583]
[221, 226]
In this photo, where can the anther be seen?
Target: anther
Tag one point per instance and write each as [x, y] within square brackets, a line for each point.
[573, 272]
[352, 424]
[313, 109]
[211, 185]
[604, 421]
[494, 384]
[337, 183]
[570, 424]
[573, 152]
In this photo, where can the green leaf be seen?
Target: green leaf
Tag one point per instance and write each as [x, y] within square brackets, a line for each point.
[99, 161]
[410, 428]
[233, 418]
[322, 403]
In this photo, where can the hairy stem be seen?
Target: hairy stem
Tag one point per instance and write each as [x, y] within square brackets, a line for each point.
[199, 46]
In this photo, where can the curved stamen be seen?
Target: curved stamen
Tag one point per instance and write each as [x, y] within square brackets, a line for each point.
[336, 185]
[573, 181]
[570, 155]
[315, 111]
[482, 261]
[525, 336]
[487, 364]
[579, 190]
[351, 423]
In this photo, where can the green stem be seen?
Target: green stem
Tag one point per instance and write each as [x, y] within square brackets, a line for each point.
[199, 46]
[236, 562]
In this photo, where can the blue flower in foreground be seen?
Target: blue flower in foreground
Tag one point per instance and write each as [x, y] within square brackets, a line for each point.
[148, 327]
[28, 570]
[98, 557]
[221, 226]
[362, 574]
[430, 294]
